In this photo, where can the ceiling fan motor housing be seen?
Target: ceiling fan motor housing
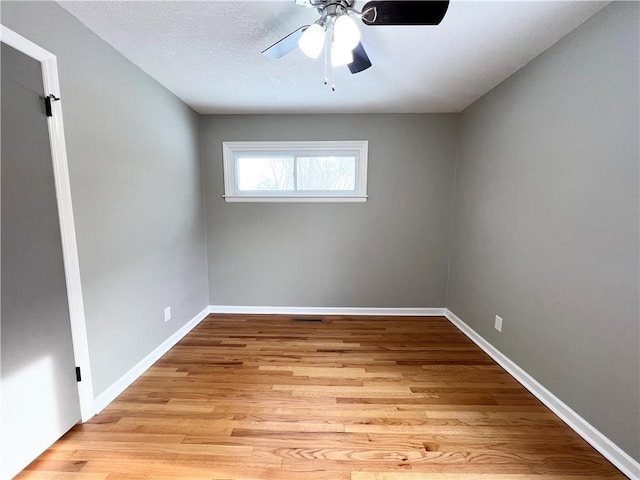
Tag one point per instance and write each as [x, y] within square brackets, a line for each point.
[331, 9]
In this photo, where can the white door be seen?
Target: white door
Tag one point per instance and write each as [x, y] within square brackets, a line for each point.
[39, 388]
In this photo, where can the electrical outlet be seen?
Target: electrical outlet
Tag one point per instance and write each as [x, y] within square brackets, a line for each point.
[498, 324]
[167, 314]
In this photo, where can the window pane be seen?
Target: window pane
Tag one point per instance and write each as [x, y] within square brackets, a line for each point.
[264, 173]
[327, 173]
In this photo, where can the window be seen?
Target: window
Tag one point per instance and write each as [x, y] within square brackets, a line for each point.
[295, 171]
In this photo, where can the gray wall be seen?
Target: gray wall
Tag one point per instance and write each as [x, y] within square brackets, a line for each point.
[546, 221]
[134, 162]
[391, 251]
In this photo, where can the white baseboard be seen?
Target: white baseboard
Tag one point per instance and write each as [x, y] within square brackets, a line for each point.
[110, 394]
[251, 310]
[613, 453]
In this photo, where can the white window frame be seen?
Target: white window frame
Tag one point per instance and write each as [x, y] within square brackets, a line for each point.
[358, 148]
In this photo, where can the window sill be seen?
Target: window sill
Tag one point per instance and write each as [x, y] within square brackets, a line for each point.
[292, 199]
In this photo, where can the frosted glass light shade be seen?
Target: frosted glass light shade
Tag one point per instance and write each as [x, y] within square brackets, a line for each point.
[340, 55]
[312, 40]
[346, 32]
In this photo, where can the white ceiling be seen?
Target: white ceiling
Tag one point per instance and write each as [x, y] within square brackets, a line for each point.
[208, 53]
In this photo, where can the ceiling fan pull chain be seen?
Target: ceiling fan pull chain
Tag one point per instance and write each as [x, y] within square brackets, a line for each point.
[333, 79]
[330, 74]
[326, 65]
[327, 56]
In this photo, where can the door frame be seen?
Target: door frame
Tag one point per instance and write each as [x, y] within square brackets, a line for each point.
[65, 212]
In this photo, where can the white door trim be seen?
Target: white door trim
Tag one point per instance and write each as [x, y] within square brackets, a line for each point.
[65, 212]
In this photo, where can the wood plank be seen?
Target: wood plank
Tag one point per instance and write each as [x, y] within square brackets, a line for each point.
[55, 475]
[349, 398]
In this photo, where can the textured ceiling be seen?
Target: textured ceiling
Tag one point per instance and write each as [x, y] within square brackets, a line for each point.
[208, 53]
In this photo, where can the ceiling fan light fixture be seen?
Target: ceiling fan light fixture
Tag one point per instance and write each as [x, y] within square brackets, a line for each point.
[340, 55]
[312, 40]
[346, 32]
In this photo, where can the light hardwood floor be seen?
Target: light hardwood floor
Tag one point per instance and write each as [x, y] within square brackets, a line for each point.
[358, 398]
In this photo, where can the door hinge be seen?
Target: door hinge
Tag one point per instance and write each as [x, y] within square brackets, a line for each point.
[47, 103]
[78, 374]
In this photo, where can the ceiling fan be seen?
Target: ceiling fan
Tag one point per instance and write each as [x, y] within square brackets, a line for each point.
[337, 33]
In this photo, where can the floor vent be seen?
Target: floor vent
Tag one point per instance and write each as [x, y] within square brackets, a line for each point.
[307, 319]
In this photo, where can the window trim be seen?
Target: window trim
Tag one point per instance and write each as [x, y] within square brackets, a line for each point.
[359, 148]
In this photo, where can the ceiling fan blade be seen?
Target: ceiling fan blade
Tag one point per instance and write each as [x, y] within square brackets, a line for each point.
[405, 12]
[285, 45]
[360, 60]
